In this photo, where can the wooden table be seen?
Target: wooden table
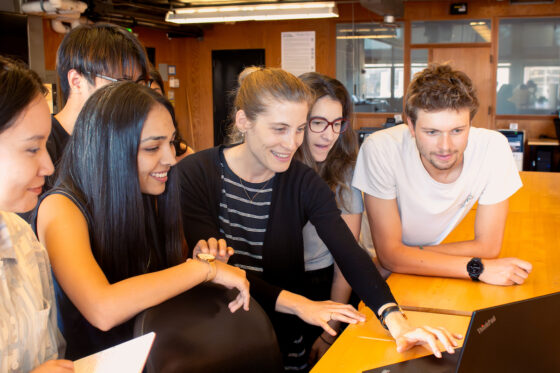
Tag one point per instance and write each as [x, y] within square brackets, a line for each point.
[368, 345]
[532, 233]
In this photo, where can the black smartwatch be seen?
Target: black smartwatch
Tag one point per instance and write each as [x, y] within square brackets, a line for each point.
[475, 268]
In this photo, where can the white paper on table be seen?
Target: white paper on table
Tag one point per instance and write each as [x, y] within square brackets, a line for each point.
[127, 357]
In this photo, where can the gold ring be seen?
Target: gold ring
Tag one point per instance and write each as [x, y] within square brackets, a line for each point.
[331, 316]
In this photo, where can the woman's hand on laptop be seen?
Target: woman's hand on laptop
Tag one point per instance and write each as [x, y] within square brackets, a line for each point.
[408, 336]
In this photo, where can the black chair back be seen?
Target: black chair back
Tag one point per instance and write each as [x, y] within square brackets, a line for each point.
[196, 332]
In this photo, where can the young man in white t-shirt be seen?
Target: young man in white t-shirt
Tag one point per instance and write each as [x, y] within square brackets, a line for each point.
[420, 180]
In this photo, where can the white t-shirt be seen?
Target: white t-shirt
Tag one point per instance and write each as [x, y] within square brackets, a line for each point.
[389, 167]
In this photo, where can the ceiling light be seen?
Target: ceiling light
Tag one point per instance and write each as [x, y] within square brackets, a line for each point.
[365, 36]
[482, 29]
[255, 12]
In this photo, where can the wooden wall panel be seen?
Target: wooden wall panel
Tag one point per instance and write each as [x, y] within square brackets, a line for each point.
[193, 57]
[533, 127]
[439, 10]
[246, 35]
[51, 42]
[171, 52]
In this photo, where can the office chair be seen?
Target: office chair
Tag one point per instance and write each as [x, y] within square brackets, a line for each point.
[196, 332]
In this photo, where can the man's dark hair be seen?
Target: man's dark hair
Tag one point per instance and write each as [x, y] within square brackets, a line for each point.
[100, 48]
[439, 87]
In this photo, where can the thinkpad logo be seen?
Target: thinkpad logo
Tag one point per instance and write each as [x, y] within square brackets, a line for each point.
[486, 325]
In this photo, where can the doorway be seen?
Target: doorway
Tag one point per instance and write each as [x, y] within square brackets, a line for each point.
[226, 66]
[476, 63]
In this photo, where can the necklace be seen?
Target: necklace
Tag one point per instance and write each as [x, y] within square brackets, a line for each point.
[257, 192]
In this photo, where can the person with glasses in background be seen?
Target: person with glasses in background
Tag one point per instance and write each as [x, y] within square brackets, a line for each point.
[257, 200]
[330, 147]
[155, 82]
[89, 57]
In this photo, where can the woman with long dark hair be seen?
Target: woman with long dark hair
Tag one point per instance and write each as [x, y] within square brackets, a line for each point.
[254, 196]
[330, 147]
[29, 337]
[112, 223]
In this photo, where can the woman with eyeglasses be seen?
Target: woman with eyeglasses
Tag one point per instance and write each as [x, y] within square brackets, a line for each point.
[330, 147]
[257, 200]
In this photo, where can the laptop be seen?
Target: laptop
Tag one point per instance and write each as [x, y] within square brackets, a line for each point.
[519, 337]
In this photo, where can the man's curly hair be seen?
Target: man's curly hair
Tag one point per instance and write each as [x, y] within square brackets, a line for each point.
[439, 87]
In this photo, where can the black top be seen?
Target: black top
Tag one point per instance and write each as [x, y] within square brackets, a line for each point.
[56, 144]
[82, 338]
[299, 195]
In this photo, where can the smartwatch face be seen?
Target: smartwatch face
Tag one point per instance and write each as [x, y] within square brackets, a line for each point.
[206, 257]
[474, 267]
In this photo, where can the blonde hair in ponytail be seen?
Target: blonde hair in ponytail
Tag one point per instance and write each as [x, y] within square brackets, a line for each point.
[258, 86]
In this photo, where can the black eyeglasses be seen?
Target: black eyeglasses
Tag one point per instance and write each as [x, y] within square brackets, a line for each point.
[320, 124]
[114, 80]
[143, 80]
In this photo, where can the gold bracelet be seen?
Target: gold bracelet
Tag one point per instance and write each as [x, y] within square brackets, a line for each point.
[211, 261]
[211, 271]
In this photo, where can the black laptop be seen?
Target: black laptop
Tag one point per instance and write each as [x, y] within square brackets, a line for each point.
[516, 337]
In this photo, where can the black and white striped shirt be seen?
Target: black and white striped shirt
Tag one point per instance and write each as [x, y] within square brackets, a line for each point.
[243, 215]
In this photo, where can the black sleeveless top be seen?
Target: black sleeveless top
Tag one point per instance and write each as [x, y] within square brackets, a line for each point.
[82, 338]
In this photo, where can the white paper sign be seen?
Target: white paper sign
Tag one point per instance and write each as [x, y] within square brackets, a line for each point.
[128, 357]
[298, 52]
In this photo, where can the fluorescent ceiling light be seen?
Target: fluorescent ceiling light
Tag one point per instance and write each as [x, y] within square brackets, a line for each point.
[378, 36]
[255, 12]
[482, 29]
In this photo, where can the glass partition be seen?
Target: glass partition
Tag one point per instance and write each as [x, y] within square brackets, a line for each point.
[418, 61]
[459, 31]
[528, 66]
[369, 62]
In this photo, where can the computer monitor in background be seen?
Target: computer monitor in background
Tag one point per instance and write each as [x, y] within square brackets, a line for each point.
[516, 141]
[365, 132]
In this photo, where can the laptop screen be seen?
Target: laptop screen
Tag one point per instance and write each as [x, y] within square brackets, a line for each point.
[514, 337]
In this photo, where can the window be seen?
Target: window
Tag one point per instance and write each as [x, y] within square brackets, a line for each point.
[528, 66]
[418, 61]
[369, 62]
[459, 31]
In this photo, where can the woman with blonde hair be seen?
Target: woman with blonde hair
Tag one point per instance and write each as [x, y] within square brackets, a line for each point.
[254, 197]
